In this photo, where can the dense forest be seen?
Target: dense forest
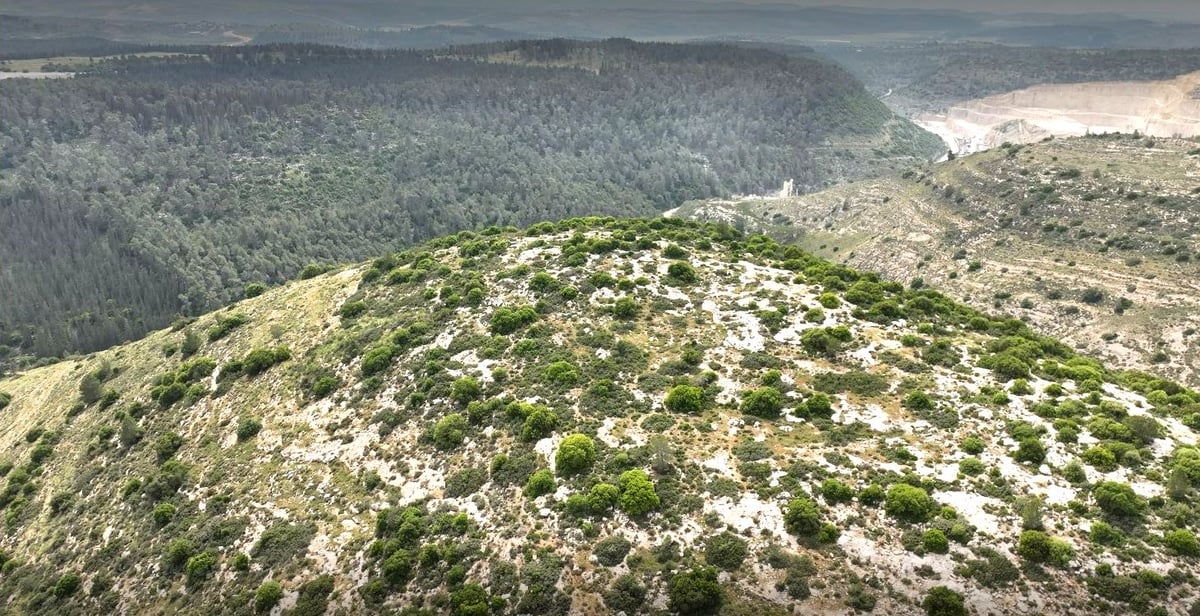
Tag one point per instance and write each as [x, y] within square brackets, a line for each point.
[151, 187]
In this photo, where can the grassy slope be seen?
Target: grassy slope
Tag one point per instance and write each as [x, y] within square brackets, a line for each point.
[309, 471]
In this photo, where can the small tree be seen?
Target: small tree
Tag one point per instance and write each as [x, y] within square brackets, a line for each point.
[637, 493]
[465, 390]
[540, 483]
[1118, 499]
[684, 399]
[450, 431]
[935, 541]
[695, 592]
[626, 308]
[267, 596]
[909, 503]
[1030, 450]
[90, 388]
[725, 550]
[576, 454]
[801, 517]
[941, 601]
[765, 402]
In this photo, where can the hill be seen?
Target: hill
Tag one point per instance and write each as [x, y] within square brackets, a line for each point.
[1089, 239]
[591, 416]
[155, 186]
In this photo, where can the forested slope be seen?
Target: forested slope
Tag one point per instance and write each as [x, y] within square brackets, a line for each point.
[149, 187]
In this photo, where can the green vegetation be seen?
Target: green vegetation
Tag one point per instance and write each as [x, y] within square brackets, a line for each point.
[490, 464]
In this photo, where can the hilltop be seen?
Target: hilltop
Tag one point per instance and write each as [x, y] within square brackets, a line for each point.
[595, 416]
[1091, 239]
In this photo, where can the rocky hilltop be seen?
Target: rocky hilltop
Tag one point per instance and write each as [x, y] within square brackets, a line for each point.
[1092, 240]
[597, 416]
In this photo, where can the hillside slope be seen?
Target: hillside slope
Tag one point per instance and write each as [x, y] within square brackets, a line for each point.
[582, 418]
[1092, 240]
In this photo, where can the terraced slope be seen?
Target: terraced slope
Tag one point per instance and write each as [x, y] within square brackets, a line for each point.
[594, 416]
[1092, 240]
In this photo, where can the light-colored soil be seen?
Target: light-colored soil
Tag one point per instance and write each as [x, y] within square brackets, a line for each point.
[1158, 108]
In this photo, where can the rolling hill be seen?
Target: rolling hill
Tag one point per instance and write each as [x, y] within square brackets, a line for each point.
[592, 416]
[1089, 239]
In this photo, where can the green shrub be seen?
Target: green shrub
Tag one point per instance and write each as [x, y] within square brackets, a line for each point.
[971, 466]
[1101, 458]
[167, 445]
[1030, 450]
[267, 596]
[67, 585]
[835, 491]
[163, 514]
[638, 496]
[941, 601]
[602, 497]
[199, 566]
[248, 428]
[540, 483]
[685, 399]
[178, 552]
[561, 373]
[576, 454]
[725, 551]
[465, 390]
[450, 431]
[626, 308]
[254, 289]
[871, 495]
[224, 326]
[259, 360]
[802, 517]
[695, 592]
[378, 359]
[909, 503]
[1182, 541]
[681, 272]
[1118, 500]
[765, 402]
[626, 594]
[611, 550]
[1103, 533]
[463, 483]
[508, 320]
[935, 541]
